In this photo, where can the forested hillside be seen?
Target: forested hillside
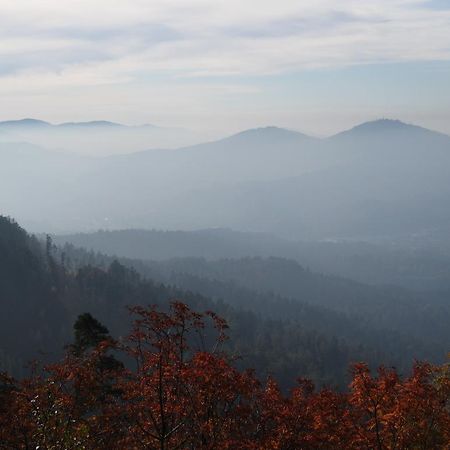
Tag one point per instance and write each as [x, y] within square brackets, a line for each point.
[287, 332]
[397, 325]
[386, 307]
[42, 296]
[32, 314]
[421, 262]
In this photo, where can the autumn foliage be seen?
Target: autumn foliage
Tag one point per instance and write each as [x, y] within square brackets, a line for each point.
[178, 389]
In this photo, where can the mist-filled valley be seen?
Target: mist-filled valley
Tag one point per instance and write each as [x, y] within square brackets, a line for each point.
[285, 319]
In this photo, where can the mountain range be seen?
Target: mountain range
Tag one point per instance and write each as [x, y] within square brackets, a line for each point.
[97, 138]
[382, 178]
[35, 123]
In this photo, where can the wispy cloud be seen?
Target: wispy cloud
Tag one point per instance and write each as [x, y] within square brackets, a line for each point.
[211, 38]
[192, 60]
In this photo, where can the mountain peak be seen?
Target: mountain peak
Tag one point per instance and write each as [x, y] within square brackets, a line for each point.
[93, 123]
[383, 125]
[27, 122]
[267, 133]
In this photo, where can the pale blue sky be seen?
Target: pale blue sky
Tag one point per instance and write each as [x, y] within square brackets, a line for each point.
[317, 66]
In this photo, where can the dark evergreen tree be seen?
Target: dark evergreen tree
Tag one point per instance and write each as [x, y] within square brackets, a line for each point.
[88, 333]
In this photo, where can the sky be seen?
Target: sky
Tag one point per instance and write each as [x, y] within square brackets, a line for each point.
[317, 66]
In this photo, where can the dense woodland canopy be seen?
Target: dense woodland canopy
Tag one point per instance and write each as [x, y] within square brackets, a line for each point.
[42, 298]
[284, 320]
[378, 324]
[420, 262]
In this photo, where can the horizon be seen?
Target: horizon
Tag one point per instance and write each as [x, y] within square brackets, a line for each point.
[353, 126]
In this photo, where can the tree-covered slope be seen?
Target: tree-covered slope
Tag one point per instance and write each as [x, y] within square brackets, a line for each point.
[283, 320]
[41, 295]
[393, 325]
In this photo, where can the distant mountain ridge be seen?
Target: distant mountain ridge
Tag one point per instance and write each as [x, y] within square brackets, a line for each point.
[266, 132]
[35, 123]
[24, 123]
[380, 178]
[96, 137]
[381, 126]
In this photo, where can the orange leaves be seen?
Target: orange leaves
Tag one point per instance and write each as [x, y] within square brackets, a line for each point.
[392, 413]
[184, 392]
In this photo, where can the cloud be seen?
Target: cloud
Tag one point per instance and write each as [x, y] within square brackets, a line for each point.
[194, 38]
[195, 60]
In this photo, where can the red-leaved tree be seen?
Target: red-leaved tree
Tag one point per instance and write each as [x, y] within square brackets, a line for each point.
[178, 389]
